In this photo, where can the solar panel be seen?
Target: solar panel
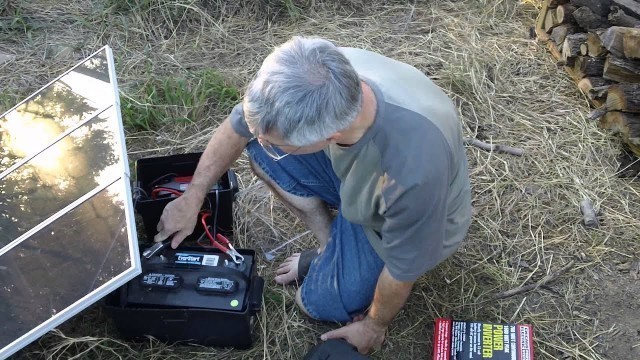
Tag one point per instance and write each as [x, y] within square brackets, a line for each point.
[67, 232]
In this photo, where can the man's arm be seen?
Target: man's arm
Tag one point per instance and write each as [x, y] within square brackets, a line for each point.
[368, 334]
[388, 299]
[180, 216]
[223, 149]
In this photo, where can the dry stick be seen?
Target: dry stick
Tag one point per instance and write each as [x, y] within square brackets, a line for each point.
[588, 214]
[494, 147]
[545, 280]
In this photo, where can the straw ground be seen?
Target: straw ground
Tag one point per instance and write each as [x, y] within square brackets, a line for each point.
[526, 223]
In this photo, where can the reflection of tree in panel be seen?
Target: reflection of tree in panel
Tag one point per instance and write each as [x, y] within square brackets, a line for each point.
[96, 67]
[32, 125]
[83, 249]
[63, 173]
[65, 261]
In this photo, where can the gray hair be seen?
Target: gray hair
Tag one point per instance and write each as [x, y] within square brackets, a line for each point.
[305, 91]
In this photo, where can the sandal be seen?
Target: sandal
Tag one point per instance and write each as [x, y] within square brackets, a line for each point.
[304, 263]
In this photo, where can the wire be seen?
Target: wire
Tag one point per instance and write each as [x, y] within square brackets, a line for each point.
[160, 178]
[137, 192]
[155, 191]
[215, 215]
[206, 228]
[210, 208]
[140, 190]
[202, 237]
[205, 214]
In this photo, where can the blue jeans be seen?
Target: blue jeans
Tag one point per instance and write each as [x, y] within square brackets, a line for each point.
[342, 279]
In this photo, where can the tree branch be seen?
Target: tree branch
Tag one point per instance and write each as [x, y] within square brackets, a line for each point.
[545, 280]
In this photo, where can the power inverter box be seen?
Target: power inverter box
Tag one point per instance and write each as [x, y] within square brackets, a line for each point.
[457, 340]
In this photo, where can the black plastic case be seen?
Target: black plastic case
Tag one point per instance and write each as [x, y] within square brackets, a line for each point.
[149, 170]
[187, 314]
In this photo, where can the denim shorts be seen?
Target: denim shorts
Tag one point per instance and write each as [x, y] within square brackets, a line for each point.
[342, 279]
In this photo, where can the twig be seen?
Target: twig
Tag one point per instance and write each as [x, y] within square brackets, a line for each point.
[545, 280]
[494, 147]
[589, 217]
[271, 254]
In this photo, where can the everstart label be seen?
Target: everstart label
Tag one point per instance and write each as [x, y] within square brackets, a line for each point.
[196, 259]
[457, 340]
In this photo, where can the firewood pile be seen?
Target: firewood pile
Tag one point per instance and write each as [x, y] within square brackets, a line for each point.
[598, 43]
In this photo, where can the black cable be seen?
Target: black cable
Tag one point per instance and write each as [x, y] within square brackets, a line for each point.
[136, 195]
[160, 178]
[215, 216]
[209, 202]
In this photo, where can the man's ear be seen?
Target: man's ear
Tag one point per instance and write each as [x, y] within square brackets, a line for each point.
[333, 138]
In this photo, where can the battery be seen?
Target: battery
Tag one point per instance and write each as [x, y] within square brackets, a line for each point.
[197, 280]
[190, 294]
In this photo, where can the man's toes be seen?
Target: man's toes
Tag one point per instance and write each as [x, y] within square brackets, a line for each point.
[283, 270]
[285, 278]
[288, 270]
[285, 264]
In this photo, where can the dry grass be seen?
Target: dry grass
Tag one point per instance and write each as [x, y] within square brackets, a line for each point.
[526, 217]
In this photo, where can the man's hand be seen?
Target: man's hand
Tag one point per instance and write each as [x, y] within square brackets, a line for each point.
[178, 219]
[369, 333]
[366, 335]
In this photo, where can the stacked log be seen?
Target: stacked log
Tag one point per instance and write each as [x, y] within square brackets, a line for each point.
[598, 44]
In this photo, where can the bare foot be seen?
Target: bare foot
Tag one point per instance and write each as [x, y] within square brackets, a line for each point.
[288, 270]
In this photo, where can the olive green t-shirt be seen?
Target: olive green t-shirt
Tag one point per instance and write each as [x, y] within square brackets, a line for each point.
[406, 181]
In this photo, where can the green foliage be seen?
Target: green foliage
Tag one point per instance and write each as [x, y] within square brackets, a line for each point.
[7, 101]
[129, 5]
[171, 100]
[13, 22]
[292, 9]
[159, 18]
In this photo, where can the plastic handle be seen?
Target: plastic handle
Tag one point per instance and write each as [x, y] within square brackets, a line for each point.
[255, 294]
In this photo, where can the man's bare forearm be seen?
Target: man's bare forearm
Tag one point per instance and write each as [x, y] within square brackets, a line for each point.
[224, 147]
[388, 299]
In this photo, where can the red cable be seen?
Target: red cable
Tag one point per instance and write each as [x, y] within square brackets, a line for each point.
[155, 191]
[203, 220]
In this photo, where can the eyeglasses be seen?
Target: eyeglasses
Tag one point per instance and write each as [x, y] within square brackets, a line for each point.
[271, 150]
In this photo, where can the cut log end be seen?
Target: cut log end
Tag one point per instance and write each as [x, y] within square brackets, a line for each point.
[571, 47]
[550, 21]
[631, 45]
[559, 33]
[613, 39]
[594, 45]
[626, 125]
[624, 97]
[564, 14]
[595, 88]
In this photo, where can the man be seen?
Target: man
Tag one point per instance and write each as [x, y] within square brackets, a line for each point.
[345, 128]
